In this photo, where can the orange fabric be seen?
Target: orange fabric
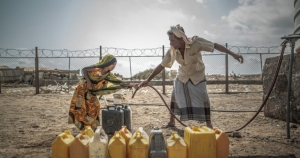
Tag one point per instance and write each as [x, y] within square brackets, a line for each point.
[85, 106]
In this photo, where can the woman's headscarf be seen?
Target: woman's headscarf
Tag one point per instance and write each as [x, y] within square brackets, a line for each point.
[112, 83]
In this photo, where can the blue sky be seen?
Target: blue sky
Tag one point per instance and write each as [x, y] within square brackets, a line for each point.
[87, 24]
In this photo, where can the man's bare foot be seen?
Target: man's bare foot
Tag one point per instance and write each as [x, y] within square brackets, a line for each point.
[209, 125]
[167, 125]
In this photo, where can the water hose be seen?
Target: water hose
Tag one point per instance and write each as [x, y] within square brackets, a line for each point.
[257, 112]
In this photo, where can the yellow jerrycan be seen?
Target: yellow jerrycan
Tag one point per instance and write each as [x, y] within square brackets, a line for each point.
[176, 147]
[98, 145]
[138, 146]
[200, 142]
[80, 146]
[222, 144]
[89, 131]
[126, 134]
[117, 146]
[60, 146]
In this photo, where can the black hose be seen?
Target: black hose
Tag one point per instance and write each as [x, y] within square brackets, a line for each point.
[171, 112]
[257, 112]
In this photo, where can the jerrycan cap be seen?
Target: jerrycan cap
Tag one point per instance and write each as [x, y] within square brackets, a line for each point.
[196, 128]
[156, 128]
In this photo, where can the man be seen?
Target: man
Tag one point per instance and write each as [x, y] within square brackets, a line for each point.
[189, 95]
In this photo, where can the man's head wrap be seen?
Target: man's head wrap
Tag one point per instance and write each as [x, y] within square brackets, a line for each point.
[179, 33]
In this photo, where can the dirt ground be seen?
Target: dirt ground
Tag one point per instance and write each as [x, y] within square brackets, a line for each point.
[30, 123]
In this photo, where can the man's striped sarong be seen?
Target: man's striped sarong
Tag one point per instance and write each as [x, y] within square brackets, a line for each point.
[191, 101]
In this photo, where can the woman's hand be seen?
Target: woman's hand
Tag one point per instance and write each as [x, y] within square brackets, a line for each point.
[143, 84]
[131, 85]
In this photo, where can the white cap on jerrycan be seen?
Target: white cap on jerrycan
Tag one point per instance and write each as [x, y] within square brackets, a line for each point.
[143, 132]
[117, 98]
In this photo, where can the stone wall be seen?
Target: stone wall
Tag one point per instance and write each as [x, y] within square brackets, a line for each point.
[276, 105]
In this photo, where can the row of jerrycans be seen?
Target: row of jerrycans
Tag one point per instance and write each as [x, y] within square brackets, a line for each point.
[198, 142]
[87, 144]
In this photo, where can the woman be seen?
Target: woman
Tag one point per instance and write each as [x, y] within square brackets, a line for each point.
[98, 80]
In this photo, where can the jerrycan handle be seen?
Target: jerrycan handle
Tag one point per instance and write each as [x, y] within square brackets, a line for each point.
[119, 105]
[157, 142]
[176, 136]
[157, 139]
[111, 107]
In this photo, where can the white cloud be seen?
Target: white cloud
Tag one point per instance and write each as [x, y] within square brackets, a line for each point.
[163, 1]
[213, 36]
[258, 21]
[193, 17]
[200, 1]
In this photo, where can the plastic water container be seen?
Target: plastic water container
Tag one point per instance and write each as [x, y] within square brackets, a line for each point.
[98, 144]
[89, 131]
[126, 134]
[222, 144]
[112, 119]
[127, 115]
[80, 146]
[176, 147]
[118, 97]
[60, 146]
[157, 144]
[138, 146]
[117, 146]
[201, 142]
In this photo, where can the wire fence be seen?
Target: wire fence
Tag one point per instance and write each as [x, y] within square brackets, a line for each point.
[133, 61]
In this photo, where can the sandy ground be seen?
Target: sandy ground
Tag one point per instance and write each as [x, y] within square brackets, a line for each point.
[30, 123]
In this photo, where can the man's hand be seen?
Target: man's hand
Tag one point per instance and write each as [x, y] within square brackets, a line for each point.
[238, 58]
[143, 84]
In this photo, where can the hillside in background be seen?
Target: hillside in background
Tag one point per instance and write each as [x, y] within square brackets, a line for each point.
[145, 74]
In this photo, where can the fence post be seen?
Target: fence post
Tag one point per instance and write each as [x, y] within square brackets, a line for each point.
[164, 72]
[226, 71]
[130, 69]
[37, 82]
[261, 65]
[0, 83]
[100, 52]
[69, 75]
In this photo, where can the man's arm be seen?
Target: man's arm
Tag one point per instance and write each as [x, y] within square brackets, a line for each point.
[156, 71]
[227, 51]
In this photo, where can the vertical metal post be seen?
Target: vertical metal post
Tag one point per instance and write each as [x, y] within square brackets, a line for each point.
[130, 69]
[226, 71]
[0, 83]
[164, 72]
[69, 75]
[261, 65]
[100, 52]
[289, 90]
[37, 82]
